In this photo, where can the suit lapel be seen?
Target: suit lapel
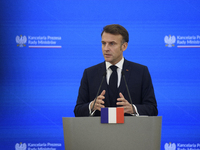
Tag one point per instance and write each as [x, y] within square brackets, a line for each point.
[127, 71]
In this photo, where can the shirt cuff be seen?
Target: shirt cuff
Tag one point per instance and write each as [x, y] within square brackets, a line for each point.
[136, 112]
[91, 113]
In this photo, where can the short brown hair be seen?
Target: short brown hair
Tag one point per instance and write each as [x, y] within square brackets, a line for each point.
[116, 29]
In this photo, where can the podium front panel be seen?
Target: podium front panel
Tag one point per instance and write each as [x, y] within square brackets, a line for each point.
[137, 133]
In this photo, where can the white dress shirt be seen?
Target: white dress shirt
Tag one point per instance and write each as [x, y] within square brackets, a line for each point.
[119, 70]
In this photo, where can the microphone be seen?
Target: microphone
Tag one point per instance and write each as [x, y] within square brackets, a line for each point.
[134, 112]
[98, 91]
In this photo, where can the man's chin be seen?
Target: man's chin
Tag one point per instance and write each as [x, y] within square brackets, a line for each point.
[108, 60]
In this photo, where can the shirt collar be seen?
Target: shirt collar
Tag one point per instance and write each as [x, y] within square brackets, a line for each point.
[119, 64]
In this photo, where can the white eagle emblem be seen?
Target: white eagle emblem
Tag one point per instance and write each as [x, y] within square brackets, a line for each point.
[169, 40]
[170, 146]
[21, 40]
[20, 146]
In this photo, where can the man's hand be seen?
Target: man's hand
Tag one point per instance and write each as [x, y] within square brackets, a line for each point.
[125, 104]
[99, 102]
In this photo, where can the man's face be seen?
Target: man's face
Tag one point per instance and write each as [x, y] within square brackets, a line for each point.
[112, 47]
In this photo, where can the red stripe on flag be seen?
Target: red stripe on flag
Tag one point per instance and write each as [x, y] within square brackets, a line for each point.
[120, 115]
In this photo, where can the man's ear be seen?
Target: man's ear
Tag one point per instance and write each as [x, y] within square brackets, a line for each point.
[124, 46]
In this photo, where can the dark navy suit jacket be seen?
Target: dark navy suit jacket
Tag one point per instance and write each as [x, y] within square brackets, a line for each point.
[139, 83]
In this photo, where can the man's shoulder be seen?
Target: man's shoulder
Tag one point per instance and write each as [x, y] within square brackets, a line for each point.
[96, 67]
[134, 64]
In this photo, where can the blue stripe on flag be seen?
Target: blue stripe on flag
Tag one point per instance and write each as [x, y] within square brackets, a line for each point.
[104, 115]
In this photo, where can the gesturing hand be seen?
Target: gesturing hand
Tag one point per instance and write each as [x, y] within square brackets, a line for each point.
[99, 102]
[125, 104]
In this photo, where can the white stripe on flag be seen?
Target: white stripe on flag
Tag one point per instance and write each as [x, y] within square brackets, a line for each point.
[112, 115]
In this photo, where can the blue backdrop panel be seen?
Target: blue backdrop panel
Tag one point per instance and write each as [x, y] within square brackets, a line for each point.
[40, 77]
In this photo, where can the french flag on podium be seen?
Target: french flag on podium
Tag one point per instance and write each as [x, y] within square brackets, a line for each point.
[112, 115]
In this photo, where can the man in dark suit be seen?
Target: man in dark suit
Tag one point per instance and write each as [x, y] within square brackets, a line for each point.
[111, 72]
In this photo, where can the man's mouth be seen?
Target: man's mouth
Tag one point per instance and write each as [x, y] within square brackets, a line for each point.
[107, 55]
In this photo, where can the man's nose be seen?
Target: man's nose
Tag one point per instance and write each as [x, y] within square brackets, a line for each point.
[106, 46]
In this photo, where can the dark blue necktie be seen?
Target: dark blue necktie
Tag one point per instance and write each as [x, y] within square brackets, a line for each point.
[113, 79]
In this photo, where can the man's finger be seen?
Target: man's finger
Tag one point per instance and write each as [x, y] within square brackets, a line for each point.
[100, 101]
[121, 103]
[103, 92]
[99, 106]
[120, 99]
[121, 95]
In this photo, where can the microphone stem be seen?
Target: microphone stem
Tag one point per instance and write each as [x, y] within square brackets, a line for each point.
[97, 93]
[134, 112]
